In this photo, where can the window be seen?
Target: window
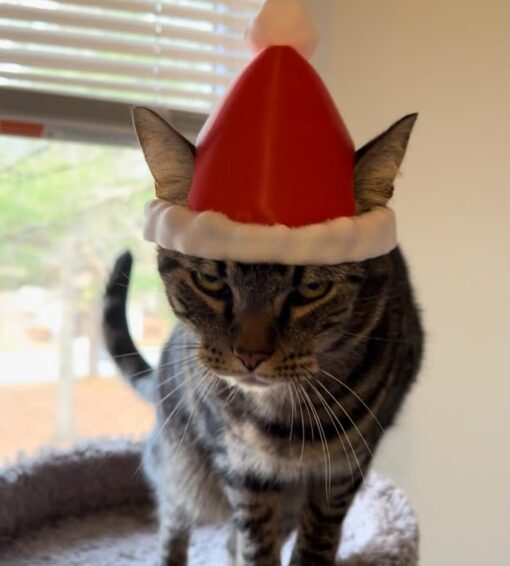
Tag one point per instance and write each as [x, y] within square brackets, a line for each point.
[69, 72]
[67, 209]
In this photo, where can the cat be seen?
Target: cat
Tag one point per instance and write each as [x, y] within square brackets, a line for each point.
[278, 382]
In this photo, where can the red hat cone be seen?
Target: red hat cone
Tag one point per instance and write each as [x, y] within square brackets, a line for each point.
[277, 151]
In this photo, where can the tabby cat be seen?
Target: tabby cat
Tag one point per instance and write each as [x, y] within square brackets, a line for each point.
[277, 384]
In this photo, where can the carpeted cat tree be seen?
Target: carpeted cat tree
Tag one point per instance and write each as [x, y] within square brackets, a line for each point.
[90, 506]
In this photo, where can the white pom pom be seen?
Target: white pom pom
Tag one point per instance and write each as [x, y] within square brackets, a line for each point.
[283, 22]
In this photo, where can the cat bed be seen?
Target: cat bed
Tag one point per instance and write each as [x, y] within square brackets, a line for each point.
[90, 505]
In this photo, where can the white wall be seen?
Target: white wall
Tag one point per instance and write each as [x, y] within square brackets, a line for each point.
[449, 60]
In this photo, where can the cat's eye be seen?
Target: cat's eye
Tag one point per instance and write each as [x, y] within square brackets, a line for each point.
[314, 290]
[210, 284]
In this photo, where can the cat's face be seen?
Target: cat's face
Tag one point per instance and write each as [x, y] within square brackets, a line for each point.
[258, 325]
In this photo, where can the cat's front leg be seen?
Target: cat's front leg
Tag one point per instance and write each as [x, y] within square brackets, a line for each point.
[174, 536]
[320, 524]
[258, 530]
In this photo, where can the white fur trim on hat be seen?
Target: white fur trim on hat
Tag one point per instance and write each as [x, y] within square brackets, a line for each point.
[211, 235]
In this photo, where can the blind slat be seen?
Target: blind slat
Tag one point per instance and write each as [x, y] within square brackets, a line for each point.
[250, 6]
[50, 60]
[103, 22]
[139, 47]
[236, 21]
[130, 89]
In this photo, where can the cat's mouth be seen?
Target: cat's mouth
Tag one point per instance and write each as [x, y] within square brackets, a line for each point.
[263, 377]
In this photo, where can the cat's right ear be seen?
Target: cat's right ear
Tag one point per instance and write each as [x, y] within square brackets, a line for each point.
[170, 157]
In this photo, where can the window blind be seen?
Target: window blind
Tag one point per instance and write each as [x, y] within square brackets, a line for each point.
[181, 54]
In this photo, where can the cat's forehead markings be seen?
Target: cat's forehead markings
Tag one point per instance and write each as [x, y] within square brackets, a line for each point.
[314, 273]
[265, 271]
[329, 272]
[208, 266]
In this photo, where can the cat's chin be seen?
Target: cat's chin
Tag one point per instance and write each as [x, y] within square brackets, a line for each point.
[250, 381]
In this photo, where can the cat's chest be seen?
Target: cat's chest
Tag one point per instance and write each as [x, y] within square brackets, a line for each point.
[247, 448]
[251, 449]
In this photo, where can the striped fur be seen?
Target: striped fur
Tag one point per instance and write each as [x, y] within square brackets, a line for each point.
[118, 341]
[287, 444]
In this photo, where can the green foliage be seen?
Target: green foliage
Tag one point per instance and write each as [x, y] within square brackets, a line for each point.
[71, 206]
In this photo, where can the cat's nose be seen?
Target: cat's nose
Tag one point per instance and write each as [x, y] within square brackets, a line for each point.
[251, 360]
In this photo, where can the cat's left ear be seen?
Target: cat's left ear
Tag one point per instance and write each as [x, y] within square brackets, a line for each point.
[378, 162]
[170, 156]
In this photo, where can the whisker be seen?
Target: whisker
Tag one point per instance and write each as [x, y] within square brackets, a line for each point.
[138, 374]
[147, 372]
[348, 416]
[173, 343]
[129, 355]
[299, 403]
[230, 399]
[126, 276]
[181, 360]
[174, 375]
[308, 413]
[355, 395]
[346, 435]
[293, 408]
[163, 426]
[324, 444]
[370, 337]
[168, 395]
[332, 416]
[168, 419]
[180, 347]
[196, 406]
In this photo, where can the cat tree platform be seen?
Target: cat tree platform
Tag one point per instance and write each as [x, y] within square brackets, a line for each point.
[90, 506]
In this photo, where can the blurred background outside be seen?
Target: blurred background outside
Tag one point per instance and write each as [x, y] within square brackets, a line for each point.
[67, 210]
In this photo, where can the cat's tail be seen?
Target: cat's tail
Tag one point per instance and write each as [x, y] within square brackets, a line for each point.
[118, 341]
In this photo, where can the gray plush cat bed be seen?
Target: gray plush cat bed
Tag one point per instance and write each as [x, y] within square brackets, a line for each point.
[91, 506]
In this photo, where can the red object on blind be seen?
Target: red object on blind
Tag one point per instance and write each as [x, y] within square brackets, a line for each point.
[277, 151]
[26, 129]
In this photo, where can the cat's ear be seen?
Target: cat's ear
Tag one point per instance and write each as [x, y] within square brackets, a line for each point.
[170, 157]
[378, 162]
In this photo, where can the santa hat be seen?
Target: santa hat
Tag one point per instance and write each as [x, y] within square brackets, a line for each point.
[274, 166]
